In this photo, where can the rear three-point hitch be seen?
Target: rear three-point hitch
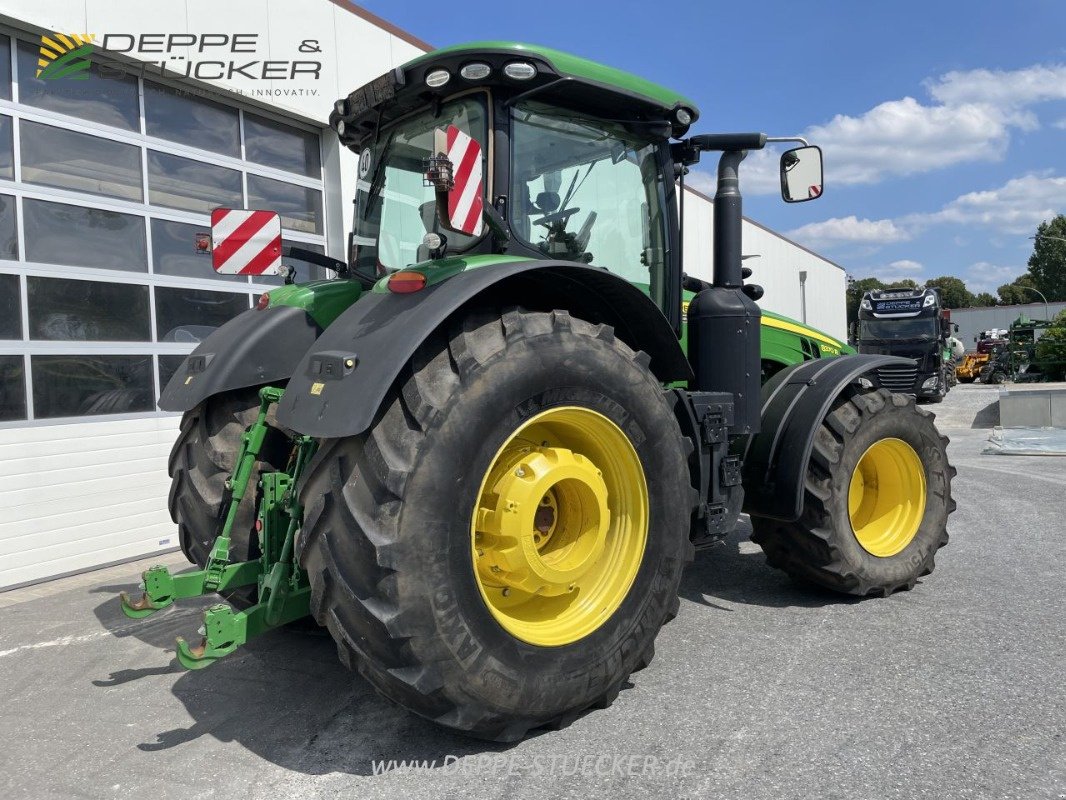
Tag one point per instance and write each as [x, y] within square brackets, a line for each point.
[283, 593]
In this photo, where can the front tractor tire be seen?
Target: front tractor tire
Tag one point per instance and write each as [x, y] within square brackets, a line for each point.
[877, 499]
[500, 549]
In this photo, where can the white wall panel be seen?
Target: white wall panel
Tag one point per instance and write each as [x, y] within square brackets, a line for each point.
[79, 495]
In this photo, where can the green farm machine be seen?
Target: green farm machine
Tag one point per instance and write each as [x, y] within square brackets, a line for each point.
[1032, 351]
[484, 453]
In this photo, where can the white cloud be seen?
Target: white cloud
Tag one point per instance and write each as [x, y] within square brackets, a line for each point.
[1013, 209]
[970, 119]
[904, 137]
[985, 277]
[1016, 207]
[905, 265]
[1060, 124]
[1003, 89]
[849, 229]
[897, 271]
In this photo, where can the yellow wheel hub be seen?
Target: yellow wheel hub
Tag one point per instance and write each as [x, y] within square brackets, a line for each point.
[560, 526]
[886, 498]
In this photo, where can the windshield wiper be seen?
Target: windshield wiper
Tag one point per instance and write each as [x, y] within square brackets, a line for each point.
[377, 178]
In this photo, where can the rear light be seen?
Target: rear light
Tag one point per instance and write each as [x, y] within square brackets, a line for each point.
[264, 301]
[406, 282]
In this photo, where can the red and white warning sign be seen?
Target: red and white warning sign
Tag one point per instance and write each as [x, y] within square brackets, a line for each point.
[245, 242]
[465, 203]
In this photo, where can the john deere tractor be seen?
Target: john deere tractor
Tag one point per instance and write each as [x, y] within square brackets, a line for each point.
[483, 455]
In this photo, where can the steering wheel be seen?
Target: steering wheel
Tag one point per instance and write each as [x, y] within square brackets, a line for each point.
[557, 216]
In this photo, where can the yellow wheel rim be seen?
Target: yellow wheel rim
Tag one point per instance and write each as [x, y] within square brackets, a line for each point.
[560, 526]
[886, 498]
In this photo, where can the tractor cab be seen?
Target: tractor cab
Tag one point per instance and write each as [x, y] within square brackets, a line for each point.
[560, 158]
[569, 161]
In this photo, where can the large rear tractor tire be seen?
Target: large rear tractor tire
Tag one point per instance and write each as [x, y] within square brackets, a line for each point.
[200, 463]
[877, 499]
[500, 549]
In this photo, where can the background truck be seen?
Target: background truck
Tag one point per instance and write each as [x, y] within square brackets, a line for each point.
[909, 323]
[483, 457]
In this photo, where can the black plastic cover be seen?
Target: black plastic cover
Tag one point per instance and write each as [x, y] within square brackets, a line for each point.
[253, 348]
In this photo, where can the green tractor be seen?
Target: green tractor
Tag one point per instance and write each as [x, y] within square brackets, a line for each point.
[483, 456]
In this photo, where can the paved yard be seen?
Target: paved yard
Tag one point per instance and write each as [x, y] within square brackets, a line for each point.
[760, 689]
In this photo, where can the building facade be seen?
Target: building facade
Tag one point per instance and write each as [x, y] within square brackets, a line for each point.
[972, 321]
[103, 188]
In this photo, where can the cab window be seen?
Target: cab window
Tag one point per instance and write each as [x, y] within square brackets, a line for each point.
[588, 191]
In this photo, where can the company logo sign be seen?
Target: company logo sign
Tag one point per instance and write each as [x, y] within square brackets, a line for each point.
[65, 55]
[898, 305]
[231, 57]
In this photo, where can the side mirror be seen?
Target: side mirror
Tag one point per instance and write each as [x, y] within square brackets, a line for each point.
[801, 174]
[454, 170]
[244, 242]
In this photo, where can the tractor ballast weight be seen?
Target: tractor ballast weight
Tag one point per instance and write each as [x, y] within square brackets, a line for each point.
[794, 401]
[378, 335]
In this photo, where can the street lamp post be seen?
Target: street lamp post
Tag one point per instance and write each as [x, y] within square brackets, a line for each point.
[1047, 312]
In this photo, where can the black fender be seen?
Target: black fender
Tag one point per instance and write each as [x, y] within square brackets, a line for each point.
[253, 348]
[794, 403]
[341, 381]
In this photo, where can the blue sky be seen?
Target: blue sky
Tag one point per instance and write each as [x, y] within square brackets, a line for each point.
[943, 123]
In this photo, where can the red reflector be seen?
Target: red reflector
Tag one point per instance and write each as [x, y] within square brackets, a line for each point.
[259, 525]
[406, 282]
[264, 301]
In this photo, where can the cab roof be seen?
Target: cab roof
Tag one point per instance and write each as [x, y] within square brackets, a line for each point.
[559, 79]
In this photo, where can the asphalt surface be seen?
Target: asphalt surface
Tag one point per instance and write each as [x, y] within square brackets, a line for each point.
[760, 688]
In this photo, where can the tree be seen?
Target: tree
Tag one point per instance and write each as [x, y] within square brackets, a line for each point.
[984, 299]
[856, 289]
[1052, 348]
[1016, 293]
[953, 292]
[1047, 264]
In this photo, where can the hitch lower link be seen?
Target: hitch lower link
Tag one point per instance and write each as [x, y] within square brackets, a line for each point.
[283, 592]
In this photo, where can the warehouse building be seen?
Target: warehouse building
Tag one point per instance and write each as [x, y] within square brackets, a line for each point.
[105, 182]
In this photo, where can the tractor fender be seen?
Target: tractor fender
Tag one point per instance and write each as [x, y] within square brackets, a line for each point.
[342, 380]
[253, 348]
[794, 403]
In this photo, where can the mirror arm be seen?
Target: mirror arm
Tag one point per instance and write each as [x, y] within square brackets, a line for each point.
[495, 221]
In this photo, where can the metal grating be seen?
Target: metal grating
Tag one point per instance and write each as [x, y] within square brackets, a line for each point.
[898, 378]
